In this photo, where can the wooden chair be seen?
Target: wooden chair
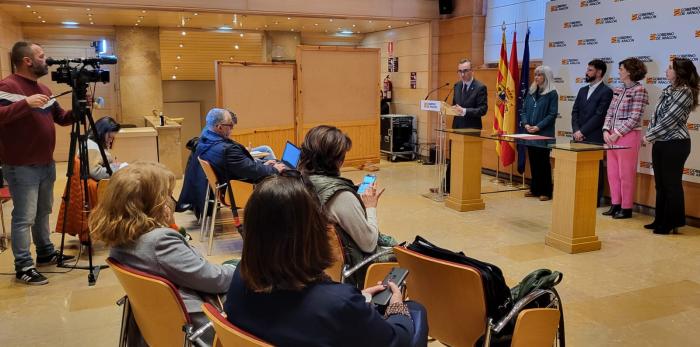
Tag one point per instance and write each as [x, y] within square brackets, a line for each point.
[228, 334]
[536, 327]
[233, 194]
[452, 294]
[5, 196]
[157, 307]
[377, 272]
[340, 270]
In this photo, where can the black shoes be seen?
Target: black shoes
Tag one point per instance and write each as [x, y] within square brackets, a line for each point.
[31, 277]
[612, 211]
[623, 213]
[52, 258]
[651, 226]
[659, 230]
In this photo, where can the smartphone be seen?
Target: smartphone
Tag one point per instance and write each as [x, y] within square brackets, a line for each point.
[366, 182]
[398, 276]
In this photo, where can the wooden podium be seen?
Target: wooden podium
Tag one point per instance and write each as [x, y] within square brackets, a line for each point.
[465, 173]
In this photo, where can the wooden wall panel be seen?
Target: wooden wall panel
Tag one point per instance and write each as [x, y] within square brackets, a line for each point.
[273, 137]
[364, 136]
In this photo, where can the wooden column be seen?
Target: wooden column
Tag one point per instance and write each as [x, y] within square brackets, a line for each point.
[574, 203]
[465, 172]
[169, 144]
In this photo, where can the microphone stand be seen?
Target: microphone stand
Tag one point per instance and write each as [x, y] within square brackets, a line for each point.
[441, 143]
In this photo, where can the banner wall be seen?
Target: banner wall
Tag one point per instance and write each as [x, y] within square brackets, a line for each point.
[655, 31]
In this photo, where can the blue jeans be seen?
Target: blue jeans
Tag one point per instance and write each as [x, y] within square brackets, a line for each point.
[420, 324]
[32, 196]
[267, 149]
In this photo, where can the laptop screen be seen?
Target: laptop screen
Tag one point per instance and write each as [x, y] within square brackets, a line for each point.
[291, 154]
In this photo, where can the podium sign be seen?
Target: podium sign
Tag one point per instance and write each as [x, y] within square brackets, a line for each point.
[431, 105]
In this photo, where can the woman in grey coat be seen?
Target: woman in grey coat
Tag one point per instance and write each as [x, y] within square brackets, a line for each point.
[134, 219]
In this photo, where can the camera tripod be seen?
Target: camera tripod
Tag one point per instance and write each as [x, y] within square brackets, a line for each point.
[82, 117]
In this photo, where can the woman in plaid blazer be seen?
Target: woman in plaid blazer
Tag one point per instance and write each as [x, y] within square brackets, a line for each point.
[622, 127]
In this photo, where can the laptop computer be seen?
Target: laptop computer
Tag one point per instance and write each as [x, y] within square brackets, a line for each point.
[290, 156]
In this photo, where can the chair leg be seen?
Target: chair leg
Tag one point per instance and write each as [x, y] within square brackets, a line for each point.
[213, 225]
[203, 218]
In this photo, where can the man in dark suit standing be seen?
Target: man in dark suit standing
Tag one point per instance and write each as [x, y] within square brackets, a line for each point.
[469, 98]
[590, 108]
[470, 101]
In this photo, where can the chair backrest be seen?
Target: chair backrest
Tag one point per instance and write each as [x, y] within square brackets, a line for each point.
[336, 269]
[209, 172]
[536, 327]
[377, 272]
[452, 294]
[241, 193]
[156, 304]
[229, 334]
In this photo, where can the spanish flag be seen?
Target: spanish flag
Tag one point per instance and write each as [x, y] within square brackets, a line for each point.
[501, 93]
[510, 116]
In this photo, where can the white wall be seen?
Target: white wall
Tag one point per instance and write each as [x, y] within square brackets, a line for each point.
[518, 15]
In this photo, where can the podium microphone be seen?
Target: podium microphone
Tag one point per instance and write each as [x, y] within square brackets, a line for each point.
[440, 87]
[448, 94]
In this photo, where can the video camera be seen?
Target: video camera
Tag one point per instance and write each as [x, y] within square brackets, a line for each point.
[76, 75]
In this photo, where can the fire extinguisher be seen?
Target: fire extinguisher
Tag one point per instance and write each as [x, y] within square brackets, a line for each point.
[387, 89]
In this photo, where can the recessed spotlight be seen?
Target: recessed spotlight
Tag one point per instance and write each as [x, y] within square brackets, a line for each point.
[174, 77]
[236, 46]
[87, 9]
[409, 23]
[354, 25]
[29, 6]
[224, 28]
[330, 20]
[181, 45]
[370, 21]
[143, 11]
[230, 58]
[277, 22]
[137, 24]
[69, 23]
[196, 14]
[43, 21]
[183, 33]
[34, 12]
[140, 17]
[292, 29]
[388, 26]
[257, 28]
[241, 34]
[326, 30]
[38, 17]
[92, 23]
[288, 18]
[176, 67]
[339, 28]
[266, 25]
[178, 57]
[315, 24]
[138, 21]
[346, 32]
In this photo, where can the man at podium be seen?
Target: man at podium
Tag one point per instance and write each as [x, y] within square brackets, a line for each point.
[469, 101]
[469, 98]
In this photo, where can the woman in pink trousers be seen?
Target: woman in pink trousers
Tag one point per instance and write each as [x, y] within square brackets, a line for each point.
[622, 127]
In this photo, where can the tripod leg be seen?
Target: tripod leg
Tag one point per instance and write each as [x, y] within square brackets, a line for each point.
[75, 130]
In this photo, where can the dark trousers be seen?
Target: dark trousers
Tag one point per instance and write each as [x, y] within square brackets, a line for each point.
[420, 324]
[668, 159]
[541, 171]
[602, 173]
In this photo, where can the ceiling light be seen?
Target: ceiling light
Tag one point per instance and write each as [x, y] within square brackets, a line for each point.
[178, 57]
[292, 29]
[236, 46]
[370, 21]
[316, 24]
[138, 21]
[277, 22]
[230, 58]
[176, 67]
[34, 12]
[43, 21]
[29, 6]
[196, 14]
[330, 20]
[140, 17]
[224, 28]
[92, 23]
[354, 25]
[137, 24]
[409, 23]
[241, 34]
[388, 26]
[38, 17]
[87, 9]
[346, 32]
[69, 23]
[266, 25]
[288, 18]
[174, 77]
[181, 45]
[183, 33]
[143, 11]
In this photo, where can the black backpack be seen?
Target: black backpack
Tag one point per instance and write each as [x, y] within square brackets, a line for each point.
[497, 294]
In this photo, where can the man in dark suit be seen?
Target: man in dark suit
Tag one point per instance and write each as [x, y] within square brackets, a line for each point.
[590, 108]
[469, 98]
[470, 101]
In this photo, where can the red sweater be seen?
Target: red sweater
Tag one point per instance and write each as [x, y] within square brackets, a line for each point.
[27, 135]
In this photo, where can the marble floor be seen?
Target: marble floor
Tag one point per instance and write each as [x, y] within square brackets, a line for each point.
[639, 290]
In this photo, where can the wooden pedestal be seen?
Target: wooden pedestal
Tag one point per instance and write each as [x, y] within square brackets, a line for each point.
[465, 184]
[574, 203]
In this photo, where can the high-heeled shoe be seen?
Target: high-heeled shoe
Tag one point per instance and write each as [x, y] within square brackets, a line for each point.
[651, 226]
[623, 213]
[613, 210]
[665, 230]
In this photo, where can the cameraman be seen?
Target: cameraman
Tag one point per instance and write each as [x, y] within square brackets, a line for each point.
[27, 141]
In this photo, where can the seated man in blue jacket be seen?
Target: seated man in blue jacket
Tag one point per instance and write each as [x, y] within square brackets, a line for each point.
[230, 160]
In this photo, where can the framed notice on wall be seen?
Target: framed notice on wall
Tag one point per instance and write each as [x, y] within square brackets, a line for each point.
[414, 80]
[393, 64]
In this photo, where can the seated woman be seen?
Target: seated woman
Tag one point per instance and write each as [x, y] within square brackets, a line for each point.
[106, 129]
[281, 294]
[132, 220]
[355, 216]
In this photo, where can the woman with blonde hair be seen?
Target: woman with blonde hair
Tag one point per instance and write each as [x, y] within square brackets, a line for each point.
[133, 220]
[538, 116]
